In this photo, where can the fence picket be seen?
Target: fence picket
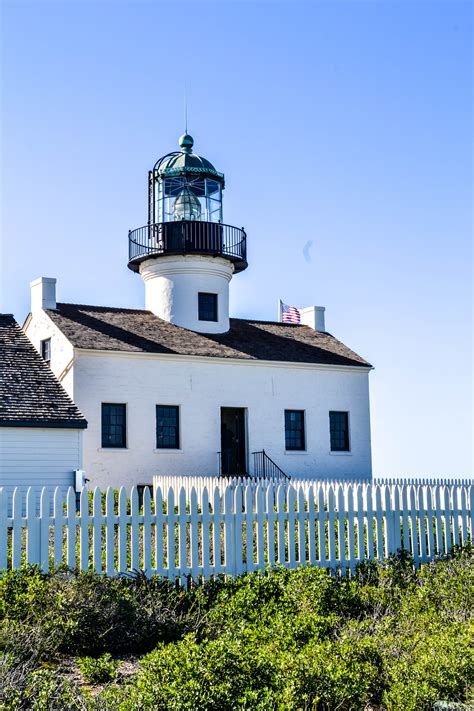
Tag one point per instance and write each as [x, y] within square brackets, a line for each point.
[71, 528]
[229, 533]
[446, 505]
[312, 553]
[17, 505]
[281, 519]
[216, 531]
[301, 517]
[97, 530]
[368, 506]
[260, 527]
[134, 530]
[170, 535]
[439, 522]
[248, 503]
[194, 523]
[463, 514]
[3, 528]
[471, 508]
[122, 530]
[322, 526]
[109, 532]
[43, 546]
[182, 535]
[430, 520]
[341, 527]
[271, 518]
[331, 524]
[205, 531]
[32, 528]
[414, 534]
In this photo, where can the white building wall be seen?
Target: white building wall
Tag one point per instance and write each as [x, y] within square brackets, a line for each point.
[39, 327]
[201, 386]
[39, 456]
[172, 286]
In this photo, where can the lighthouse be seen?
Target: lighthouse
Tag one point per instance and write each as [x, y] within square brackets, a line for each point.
[185, 254]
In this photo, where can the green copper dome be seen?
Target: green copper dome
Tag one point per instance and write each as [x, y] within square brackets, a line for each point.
[185, 162]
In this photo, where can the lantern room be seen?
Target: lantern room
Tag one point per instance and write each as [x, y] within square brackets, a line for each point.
[184, 186]
[185, 213]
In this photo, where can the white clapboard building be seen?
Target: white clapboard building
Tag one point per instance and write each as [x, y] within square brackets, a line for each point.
[179, 387]
[41, 429]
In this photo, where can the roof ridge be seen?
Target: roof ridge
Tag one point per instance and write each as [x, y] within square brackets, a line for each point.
[105, 308]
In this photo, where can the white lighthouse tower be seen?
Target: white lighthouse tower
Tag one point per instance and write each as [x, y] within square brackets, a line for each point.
[185, 255]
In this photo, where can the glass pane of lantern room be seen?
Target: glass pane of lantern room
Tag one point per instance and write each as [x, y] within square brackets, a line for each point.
[158, 208]
[213, 201]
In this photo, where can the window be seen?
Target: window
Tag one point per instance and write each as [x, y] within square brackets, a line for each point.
[207, 306]
[339, 430]
[46, 349]
[294, 430]
[167, 427]
[114, 425]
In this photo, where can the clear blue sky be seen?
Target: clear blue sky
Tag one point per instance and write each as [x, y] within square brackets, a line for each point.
[347, 124]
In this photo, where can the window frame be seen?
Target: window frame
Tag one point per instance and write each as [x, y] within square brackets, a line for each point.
[201, 309]
[301, 448]
[177, 444]
[123, 442]
[347, 432]
[45, 345]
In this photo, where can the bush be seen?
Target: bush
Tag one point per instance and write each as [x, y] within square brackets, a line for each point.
[98, 670]
[392, 637]
[83, 613]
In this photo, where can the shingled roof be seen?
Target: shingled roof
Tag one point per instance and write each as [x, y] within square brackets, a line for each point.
[30, 394]
[133, 330]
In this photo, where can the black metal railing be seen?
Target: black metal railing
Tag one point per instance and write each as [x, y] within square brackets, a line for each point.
[265, 468]
[188, 237]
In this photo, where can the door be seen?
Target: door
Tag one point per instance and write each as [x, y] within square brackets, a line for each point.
[233, 444]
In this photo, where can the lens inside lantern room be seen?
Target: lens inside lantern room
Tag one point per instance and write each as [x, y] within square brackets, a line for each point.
[188, 198]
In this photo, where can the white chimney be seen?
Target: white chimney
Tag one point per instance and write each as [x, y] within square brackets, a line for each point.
[43, 294]
[313, 316]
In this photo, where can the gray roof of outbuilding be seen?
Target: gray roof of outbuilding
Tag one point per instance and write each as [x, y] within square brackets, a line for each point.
[133, 330]
[30, 394]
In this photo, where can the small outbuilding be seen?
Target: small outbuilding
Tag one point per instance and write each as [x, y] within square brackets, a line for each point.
[40, 427]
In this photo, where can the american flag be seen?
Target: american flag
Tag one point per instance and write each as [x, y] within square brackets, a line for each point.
[289, 314]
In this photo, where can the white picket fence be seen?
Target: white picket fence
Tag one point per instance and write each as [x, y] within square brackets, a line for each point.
[199, 483]
[244, 528]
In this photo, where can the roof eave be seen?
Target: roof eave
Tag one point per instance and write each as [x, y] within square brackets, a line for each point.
[50, 424]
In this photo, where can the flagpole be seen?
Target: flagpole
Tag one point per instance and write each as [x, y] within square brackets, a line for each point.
[279, 310]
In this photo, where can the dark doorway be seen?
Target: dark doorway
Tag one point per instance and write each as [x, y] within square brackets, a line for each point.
[233, 446]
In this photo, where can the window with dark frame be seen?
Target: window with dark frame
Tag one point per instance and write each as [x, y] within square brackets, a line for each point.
[207, 306]
[339, 431]
[294, 430]
[114, 425]
[167, 427]
[46, 349]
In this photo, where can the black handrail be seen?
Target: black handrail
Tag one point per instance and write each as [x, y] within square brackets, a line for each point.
[265, 468]
[188, 237]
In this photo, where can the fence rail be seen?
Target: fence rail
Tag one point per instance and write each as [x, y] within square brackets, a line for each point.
[242, 529]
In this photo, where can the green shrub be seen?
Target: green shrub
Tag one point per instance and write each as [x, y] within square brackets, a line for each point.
[392, 637]
[98, 670]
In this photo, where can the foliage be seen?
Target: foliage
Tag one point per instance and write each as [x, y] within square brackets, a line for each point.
[98, 670]
[391, 637]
